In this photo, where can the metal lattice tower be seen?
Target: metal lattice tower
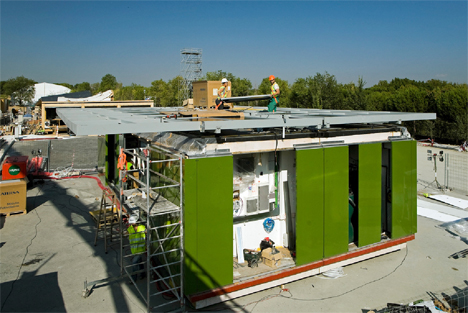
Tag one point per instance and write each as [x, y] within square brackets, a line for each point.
[190, 70]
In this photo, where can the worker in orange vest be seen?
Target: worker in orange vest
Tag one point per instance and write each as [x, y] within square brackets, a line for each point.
[275, 92]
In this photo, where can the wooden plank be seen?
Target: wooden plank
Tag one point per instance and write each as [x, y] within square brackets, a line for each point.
[72, 104]
[14, 213]
[208, 113]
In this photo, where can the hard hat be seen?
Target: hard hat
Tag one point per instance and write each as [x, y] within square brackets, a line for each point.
[271, 77]
[224, 80]
[133, 219]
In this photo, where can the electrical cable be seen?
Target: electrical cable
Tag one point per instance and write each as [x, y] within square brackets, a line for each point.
[358, 287]
[268, 298]
[26, 254]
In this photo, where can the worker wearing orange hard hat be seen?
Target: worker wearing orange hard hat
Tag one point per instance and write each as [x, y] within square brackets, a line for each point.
[275, 92]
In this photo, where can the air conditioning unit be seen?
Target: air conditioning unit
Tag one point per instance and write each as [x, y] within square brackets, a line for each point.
[251, 206]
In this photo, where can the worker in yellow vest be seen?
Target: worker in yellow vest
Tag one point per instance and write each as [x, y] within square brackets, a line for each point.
[222, 93]
[275, 92]
[137, 238]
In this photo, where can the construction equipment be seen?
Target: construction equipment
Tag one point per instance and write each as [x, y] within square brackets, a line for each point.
[252, 257]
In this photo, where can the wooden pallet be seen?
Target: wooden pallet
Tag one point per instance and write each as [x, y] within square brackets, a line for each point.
[13, 213]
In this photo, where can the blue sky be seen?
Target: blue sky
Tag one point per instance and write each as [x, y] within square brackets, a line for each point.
[140, 41]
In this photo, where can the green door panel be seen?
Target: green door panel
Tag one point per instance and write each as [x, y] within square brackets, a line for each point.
[403, 189]
[414, 183]
[369, 193]
[207, 223]
[336, 192]
[309, 215]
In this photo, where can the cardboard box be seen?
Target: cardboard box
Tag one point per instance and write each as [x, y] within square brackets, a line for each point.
[205, 93]
[13, 196]
[15, 167]
[270, 259]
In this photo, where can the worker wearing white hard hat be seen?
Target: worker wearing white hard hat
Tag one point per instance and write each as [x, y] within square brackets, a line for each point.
[137, 238]
[222, 93]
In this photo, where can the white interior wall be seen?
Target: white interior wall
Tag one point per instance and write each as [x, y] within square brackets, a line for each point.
[252, 225]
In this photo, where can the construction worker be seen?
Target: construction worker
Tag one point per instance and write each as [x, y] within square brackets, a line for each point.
[222, 93]
[275, 92]
[129, 181]
[137, 238]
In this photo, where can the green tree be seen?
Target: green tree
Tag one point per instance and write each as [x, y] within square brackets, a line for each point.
[20, 88]
[95, 88]
[319, 92]
[2, 83]
[218, 75]
[132, 92]
[159, 92]
[108, 81]
[300, 94]
[175, 94]
[82, 87]
[168, 93]
[377, 101]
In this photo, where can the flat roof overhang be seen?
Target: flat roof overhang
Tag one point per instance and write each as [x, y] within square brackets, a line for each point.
[103, 121]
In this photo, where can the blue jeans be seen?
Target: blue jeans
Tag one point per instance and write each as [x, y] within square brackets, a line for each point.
[137, 267]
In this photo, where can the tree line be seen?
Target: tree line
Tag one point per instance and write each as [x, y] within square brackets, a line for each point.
[321, 91]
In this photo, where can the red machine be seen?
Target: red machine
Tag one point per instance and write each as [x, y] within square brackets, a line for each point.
[15, 167]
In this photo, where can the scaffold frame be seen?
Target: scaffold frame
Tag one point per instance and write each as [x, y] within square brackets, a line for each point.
[152, 231]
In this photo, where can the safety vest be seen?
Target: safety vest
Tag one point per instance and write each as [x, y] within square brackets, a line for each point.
[223, 92]
[272, 87]
[129, 165]
[137, 239]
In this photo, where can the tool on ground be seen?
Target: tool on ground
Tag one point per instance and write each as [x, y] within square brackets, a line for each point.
[252, 257]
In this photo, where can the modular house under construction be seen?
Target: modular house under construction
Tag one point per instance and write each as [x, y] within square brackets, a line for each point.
[328, 188]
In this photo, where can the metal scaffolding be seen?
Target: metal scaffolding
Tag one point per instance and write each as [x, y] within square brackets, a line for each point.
[190, 70]
[149, 198]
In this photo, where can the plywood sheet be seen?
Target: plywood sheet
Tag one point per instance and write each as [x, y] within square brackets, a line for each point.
[457, 202]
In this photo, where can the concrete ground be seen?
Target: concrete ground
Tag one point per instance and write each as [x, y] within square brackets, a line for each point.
[47, 254]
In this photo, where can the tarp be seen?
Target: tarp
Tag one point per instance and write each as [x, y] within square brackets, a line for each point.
[102, 96]
[46, 89]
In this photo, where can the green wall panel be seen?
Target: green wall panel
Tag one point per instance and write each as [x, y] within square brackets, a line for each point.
[336, 192]
[414, 182]
[403, 213]
[369, 193]
[309, 215]
[207, 223]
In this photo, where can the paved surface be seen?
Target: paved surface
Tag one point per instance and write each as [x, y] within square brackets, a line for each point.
[47, 254]
[80, 152]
